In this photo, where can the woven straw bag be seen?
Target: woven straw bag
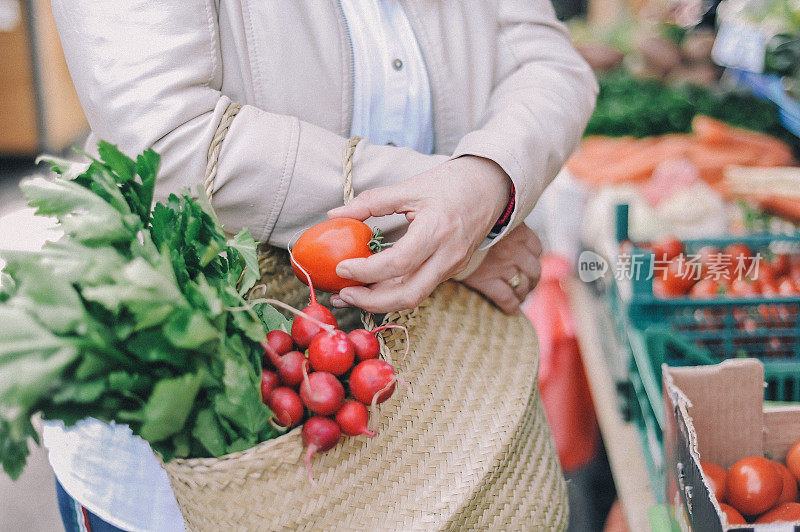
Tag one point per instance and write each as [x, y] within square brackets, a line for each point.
[466, 447]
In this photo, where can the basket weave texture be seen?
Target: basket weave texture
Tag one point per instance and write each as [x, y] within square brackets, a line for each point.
[466, 447]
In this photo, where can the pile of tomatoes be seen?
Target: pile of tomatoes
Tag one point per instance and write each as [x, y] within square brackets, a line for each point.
[756, 489]
[712, 272]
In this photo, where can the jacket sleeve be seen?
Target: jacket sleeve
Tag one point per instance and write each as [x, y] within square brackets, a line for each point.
[149, 74]
[543, 97]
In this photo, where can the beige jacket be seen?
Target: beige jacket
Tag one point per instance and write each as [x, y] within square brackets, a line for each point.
[506, 84]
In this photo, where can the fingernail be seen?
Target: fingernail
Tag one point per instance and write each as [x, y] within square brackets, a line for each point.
[342, 270]
[337, 302]
[346, 298]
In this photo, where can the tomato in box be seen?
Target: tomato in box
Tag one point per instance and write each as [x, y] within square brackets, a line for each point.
[754, 485]
[717, 413]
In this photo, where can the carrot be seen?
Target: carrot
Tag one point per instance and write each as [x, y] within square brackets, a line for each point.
[711, 146]
[710, 162]
[711, 131]
[634, 168]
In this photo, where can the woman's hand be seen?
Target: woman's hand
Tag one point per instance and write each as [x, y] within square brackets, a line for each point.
[451, 209]
[517, 254]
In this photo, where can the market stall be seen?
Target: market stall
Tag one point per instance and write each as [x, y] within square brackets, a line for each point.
[687, 254]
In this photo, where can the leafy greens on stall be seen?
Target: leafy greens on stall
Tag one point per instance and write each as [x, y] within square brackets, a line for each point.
[627, 105]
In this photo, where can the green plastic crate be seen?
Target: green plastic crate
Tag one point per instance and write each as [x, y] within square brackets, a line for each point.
[642, 404]
[764, 328]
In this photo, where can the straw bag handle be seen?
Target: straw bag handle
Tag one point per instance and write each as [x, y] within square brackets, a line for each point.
[215, 147]
[367, 318]
[212, 159]
[347, 168]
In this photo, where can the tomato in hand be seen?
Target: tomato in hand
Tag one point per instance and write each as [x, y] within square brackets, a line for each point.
[733, 516]
[754, 485]
[667, 248]
[717, 479]
[321, 247]
[789, 492]
[793, 460]
[786, 512]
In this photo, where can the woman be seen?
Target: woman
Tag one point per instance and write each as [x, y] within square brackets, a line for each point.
[468, 110]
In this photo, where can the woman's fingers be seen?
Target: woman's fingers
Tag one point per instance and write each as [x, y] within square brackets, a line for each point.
[397, 293]
[337, 302]
[530, 269]
[525, 284]
[502, 295]
[403, 258]
[530, 240]
[376, 202]
[518, 254]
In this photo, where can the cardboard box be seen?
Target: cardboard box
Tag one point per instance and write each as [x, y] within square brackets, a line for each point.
[716, 413]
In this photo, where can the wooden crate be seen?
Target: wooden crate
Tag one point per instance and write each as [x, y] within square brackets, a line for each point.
[39, 109]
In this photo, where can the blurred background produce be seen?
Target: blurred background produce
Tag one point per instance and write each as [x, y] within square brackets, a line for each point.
[694, 133]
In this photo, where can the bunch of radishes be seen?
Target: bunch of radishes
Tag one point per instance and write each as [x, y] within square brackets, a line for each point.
[293, 381]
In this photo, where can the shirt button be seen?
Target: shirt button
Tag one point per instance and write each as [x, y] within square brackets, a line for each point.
[397, 64]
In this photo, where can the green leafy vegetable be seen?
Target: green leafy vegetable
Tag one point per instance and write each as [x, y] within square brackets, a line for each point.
[136, 315]
[169, 406]
[638, 107]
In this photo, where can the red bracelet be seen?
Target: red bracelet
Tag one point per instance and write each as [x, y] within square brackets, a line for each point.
[502, 222]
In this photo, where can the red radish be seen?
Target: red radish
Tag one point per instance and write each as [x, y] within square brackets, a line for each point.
[331, 352]
[290, 368]
[269, 381]
[304, 330]
[319, 434]
[280, 341]
[286, 406]
[322, 393]
[365, 344]
[353, 418]
[372, 380]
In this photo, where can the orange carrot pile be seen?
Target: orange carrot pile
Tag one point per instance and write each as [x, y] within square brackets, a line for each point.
[711, 146]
